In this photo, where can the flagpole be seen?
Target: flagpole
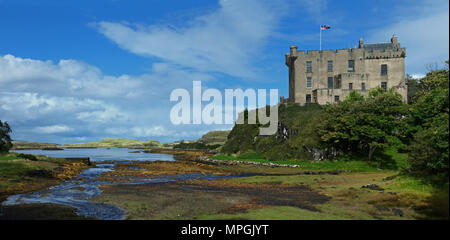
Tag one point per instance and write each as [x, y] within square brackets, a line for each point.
[320, 48]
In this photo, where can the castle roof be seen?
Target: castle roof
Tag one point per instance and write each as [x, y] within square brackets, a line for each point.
[379, 46]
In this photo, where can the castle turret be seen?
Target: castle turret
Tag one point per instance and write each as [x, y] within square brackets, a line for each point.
[361, 43]
[294, 50]
[394, 39]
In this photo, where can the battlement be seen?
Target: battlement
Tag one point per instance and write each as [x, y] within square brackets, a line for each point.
[297, 53]
[369, 51]
[383, 54]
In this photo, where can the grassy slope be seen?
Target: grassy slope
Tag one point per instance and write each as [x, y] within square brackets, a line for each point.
[348, 165]
[215, 137]
[13, 167]
[15, 172]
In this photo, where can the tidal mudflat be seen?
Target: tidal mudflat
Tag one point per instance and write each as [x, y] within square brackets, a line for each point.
[174, 187]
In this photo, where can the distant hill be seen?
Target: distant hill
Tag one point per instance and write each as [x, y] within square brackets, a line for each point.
[116, 143]
[213, 140]
[215, 137]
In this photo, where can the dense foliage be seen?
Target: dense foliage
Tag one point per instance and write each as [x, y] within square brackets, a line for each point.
[429, 121]
[241, 137]
[5, 138]
[361, 127]
[364, 125]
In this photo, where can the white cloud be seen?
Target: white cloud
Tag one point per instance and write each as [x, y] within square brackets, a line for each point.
[34, 100]
[225, 40]
[103, 116]
[53, 129]
[67, 77]
[20, 107]
[417, 76]
[425, 36]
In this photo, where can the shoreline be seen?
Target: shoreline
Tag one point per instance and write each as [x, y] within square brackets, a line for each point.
[36, 180]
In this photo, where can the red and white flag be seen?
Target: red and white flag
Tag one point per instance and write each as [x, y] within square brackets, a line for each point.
[324, 27]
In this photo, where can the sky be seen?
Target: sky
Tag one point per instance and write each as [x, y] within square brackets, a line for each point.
[79, 71]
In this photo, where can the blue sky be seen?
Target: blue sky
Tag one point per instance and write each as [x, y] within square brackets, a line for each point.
[76, 71]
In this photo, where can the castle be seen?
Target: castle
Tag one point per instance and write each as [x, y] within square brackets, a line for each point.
[328, 76]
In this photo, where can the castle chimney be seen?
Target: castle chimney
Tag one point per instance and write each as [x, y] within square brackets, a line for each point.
[293, 50]
[361, 42]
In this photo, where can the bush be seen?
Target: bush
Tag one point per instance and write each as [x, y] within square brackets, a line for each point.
[5, 139]
[27, 156]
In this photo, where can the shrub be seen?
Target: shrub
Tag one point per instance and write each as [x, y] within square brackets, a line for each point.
[5, 139]
[27, 156]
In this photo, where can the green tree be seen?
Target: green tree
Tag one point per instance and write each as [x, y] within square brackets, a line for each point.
[412, 87]
[364, 125]
[5, 138]
[429, 125]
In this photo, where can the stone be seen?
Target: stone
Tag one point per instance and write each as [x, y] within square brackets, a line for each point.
[373, 187]
[397, 212]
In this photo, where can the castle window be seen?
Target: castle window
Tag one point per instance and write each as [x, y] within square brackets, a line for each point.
[384, 86]
[336, 98]
[308, 98]
[330, 66]
[351, 65]
[350, 86]
[308, 82]
[309, 66]
[363, 86]
[384, 69]
[337, 83]
[330, 82]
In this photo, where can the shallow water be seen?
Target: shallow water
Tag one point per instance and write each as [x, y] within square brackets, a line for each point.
[75, 193]
[102, 154]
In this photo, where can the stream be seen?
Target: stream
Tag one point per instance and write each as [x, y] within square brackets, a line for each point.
[76, 193]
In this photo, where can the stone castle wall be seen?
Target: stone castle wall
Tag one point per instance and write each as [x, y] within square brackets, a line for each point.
[367, 70]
